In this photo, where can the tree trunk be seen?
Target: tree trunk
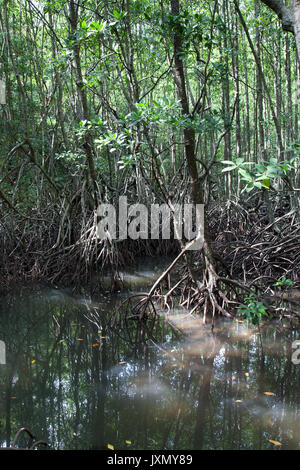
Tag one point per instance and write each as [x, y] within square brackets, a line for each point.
[83, 113]
[190, 145]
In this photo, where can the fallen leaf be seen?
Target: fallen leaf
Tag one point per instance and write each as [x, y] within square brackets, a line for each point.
[276, 443]
[269, 393]
[109, 446]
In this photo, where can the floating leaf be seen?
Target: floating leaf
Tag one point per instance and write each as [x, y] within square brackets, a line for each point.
[269, 393]
[109, 446]
[276, 443]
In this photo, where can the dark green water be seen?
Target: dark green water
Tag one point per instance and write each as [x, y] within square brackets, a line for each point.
[64, 381]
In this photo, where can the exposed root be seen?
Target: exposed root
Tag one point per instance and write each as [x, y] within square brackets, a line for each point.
[252, 257]
[32, 444]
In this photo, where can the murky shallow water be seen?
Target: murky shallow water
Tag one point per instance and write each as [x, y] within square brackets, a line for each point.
[78, 385]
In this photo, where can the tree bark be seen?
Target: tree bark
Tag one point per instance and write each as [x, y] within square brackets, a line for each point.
[283, 13]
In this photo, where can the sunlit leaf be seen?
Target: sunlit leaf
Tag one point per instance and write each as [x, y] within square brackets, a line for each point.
[230, 168]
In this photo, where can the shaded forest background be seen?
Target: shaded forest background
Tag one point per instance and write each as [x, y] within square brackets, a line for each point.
[103, 99]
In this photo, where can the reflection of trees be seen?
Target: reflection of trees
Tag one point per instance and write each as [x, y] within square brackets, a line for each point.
[76, 395]
[203, 398]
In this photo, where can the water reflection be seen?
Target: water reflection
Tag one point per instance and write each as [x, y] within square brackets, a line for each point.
[79, 385]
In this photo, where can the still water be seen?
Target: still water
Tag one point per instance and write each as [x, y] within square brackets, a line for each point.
[78, 384]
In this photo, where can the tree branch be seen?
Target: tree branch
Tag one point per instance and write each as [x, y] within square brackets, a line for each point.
[283, 13]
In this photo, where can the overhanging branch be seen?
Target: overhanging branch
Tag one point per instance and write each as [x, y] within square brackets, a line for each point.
[283, 13]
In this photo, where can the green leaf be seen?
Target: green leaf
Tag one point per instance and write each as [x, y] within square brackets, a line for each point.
[245, 174]
[228, 169]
